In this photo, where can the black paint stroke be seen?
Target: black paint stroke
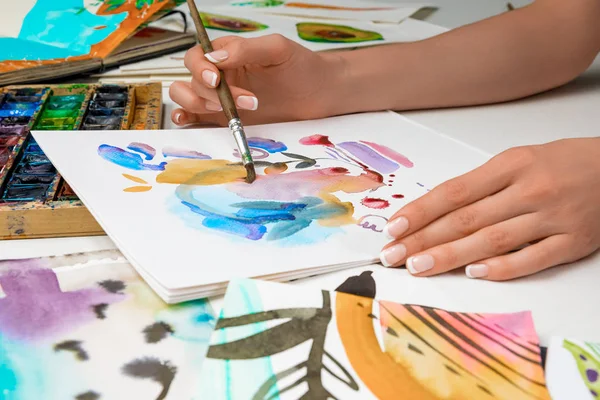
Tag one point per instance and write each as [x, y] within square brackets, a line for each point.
[363, 285]
[113, 286]
[99, 310]
[90, 395]
[161, 372]
[73, 346]
[304, 324]
[157, 331]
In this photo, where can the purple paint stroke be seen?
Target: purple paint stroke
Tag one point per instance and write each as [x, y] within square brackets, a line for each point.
[389, 153]
[332, 154]
[373, 222]
[35, 308]
[342, 156]
[143, 148]
[370, 157]
[182, 153]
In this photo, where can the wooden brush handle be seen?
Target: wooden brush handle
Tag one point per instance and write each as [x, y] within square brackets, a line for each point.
[223, 91]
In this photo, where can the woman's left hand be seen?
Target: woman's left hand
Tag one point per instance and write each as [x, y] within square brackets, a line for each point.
[546, 198]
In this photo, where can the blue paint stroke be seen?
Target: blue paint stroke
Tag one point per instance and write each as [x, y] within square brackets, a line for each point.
[181, 153]
[59, 29]
[253, 220]
[269, 145]
[144, 149]
[127, 159]
[370, 157]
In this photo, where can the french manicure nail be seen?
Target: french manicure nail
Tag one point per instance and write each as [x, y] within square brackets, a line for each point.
[212, 106]
[476, 271]
[420, 264]
[178, 118]
[392, 255]
[395, 227]
[217, 56]
[247, 102]
[209, 77]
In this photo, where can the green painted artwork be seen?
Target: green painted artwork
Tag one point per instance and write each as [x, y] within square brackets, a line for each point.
[588, 366]
[259, 3]
[230, 24]
[330, 33]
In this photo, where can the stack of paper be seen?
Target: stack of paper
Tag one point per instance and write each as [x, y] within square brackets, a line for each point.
[337, 25]
[176, 204]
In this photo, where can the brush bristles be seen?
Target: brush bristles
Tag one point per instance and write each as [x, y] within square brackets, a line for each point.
[250, 173]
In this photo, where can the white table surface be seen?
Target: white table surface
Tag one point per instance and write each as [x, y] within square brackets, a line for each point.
[563, 300]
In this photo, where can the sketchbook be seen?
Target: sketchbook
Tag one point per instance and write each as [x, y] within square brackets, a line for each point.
[44, 40]
[176, 204]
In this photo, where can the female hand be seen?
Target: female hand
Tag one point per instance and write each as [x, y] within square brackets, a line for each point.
[547, 196]
[272, 79]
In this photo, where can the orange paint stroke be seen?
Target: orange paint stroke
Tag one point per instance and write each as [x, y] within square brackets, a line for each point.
[325, 7]
[135, 179]
[385, 378]
[137, 189]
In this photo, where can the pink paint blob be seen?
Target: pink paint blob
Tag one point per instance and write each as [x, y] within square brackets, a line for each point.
[316, 140]
[377, 204]
[389, 153]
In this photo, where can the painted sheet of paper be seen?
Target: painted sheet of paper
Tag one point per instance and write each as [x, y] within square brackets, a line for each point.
[316, 35]
[330, 9]
[88, 327]
[37, 32]
[279, 341]
[573, 369]
[176, 204]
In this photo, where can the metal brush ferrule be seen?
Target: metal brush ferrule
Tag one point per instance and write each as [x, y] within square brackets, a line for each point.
[240, 139]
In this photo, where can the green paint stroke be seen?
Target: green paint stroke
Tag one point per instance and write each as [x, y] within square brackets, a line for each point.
[588, 366]
[230, 24]
[331, 33]
[259, 3]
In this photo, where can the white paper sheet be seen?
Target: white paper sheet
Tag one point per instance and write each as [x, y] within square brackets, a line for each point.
[573, 369]
[170, 233]
[330, 9]
[408, 31]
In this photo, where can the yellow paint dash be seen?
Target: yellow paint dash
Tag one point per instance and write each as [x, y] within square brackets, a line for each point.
[137, 189]
[135, 179]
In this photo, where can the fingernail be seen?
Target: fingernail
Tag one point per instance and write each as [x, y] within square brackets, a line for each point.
[209, 77]
[247, 102]
[395, 227]
[212, 106]
[392, 255]
[476, 271]
[177, 118]
[217, 56]
[419, 264]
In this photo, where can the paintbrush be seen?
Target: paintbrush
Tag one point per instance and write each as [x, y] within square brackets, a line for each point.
[226, 99]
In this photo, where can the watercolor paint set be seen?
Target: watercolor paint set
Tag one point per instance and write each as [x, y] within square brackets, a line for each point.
[35, 201]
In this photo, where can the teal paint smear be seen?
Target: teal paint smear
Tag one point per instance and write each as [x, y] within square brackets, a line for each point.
[224, 379]
[59, 29]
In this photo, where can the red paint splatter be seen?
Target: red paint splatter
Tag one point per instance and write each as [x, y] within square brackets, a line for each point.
[397, 196]
[100, 27]
[339, 170]
[375, 203]
[316, 140]
[392, 175]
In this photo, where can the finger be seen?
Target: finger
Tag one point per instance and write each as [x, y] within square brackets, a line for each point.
[488, 242]
[550, 252]
[268, 50]
[483, 181]
[465, 221]
[244, 99]
[182, 117]
[183, 94]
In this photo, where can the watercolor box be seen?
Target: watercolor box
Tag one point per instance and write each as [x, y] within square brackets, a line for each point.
[35, 201]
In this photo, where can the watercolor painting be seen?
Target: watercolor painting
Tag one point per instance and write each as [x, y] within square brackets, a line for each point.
[88, 29]
[279, 341]
[88, 327]
[332, 33]
[230, 24]
[332, 9]
[573, 369]
[292, 193]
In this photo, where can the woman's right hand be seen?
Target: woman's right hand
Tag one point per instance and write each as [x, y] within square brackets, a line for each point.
[272, 79]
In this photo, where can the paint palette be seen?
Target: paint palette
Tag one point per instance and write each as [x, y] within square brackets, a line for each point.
[34, 199]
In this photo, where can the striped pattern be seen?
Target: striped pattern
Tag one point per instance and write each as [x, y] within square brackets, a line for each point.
[463, 355]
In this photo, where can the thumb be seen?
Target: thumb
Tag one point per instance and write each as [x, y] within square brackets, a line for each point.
[266, 51]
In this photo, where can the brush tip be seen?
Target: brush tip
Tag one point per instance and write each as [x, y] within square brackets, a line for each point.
[250, 173]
